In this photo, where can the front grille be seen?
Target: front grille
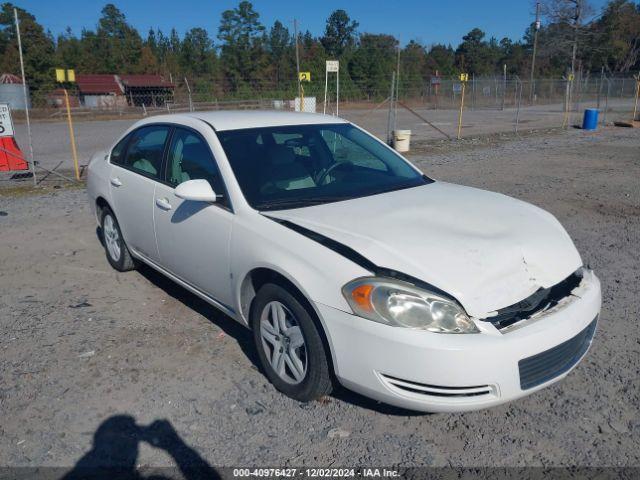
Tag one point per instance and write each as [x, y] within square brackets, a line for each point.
[540, 300]
[542, 367]
[461, 393]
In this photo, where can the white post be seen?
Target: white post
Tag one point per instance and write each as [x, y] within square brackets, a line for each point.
[326, 80]
[337, 93]
[189, 91]
[26, 100]
[332, 66]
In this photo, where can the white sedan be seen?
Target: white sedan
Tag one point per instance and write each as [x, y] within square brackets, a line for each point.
[348, 264]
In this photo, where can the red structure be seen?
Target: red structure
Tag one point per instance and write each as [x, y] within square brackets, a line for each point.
[11, 157]
[56, 99]
[100, 91]
[98, 84]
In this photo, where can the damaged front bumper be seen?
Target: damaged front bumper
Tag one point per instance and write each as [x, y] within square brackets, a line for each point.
[435, 372]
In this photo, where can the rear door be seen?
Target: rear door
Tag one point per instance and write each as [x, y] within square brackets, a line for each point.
[134, 177]
[193, 237]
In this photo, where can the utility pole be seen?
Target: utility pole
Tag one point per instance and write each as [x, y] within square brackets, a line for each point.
[635, 105]
[26, 99]
[600, 87]
[504, 85]
[535, 49]
[576, 27]
[395, 105]
[577, 17]
[295, 32]
[390, 117]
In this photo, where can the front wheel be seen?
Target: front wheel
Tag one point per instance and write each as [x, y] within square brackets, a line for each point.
[289, 345]
[115, 247]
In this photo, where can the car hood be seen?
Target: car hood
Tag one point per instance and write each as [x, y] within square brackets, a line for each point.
[487, 250]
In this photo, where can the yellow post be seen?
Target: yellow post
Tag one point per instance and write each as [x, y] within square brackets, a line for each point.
[461, 107]
[71, 135]
[567, 102]
[303, 77]
[635, 106]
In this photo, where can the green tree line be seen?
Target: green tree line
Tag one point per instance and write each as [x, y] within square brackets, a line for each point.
[248, 58]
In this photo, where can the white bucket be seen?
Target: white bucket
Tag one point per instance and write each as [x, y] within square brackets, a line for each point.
[401, 140]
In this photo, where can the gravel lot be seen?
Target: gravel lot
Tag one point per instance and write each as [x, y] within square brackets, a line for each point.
[82, 344]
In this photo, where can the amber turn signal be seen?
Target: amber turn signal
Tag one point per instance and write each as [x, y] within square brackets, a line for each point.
[362, 296]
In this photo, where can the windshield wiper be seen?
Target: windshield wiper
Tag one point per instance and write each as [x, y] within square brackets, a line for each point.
[395, 188]
[298, 202]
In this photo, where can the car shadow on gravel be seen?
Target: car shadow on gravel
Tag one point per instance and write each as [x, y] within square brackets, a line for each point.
[228, 325]
[116, 444]
[361, 401]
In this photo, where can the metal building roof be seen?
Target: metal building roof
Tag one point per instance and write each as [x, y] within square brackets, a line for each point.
[145, 81]
[94, 84]
[10, 78]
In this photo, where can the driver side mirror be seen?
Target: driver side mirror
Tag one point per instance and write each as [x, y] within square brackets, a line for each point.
[196, 191]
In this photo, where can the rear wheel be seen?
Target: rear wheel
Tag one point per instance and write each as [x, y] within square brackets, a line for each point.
[115, 247]
[289, 345]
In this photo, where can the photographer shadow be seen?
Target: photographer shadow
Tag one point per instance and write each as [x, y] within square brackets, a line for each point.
[116, 444]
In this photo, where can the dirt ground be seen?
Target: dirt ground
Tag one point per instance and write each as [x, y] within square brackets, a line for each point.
[90, 358]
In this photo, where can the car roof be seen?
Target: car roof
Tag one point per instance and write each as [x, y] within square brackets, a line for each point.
[240, 119]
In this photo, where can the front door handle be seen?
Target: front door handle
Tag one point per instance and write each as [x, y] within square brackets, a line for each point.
[163, 203]
[116, 182]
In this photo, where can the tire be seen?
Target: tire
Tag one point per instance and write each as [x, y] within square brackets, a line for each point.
[314, 380]
[115, 247]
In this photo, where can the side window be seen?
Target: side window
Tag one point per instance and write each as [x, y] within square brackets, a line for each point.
[144, 153]
[190, 159]
[117, 152]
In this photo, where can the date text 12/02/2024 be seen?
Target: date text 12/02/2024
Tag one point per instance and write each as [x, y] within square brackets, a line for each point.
[316, 472]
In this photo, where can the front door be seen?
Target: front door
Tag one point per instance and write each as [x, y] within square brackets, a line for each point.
[193, 237]
[134, 176]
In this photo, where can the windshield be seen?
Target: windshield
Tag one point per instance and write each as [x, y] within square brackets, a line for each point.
[302, 165]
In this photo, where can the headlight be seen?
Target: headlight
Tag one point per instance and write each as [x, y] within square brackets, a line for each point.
[401, 304]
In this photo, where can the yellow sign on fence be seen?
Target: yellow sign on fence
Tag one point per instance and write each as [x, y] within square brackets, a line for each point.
[464, 77]
[305, 76]
[63, 75]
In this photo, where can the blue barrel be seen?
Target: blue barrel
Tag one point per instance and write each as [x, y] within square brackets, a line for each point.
[590, 121]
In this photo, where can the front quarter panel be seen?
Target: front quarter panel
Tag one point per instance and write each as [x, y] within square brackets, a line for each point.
[318, 272]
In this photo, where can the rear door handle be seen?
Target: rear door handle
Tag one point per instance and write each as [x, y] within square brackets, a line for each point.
[116, 182]
[163, 203]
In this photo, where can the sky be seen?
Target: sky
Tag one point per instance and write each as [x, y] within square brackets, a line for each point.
[426, 21]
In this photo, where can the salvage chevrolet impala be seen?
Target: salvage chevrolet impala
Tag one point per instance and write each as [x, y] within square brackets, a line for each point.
[348, 264]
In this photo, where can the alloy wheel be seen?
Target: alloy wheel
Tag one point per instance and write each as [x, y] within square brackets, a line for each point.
[283, 342]
[111, 237]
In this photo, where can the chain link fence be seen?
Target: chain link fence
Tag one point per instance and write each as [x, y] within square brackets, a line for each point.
[429, 107]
